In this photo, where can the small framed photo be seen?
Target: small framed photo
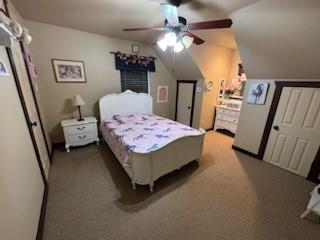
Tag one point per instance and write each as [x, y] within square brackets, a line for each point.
[3, 69]
[135, 48]
[257, 93]
[162, 96]
[69, 71]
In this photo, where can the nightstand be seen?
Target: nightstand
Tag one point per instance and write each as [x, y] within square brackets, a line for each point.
[79, 133]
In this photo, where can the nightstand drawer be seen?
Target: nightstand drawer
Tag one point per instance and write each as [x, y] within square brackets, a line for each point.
[80, 129]
[82, 137]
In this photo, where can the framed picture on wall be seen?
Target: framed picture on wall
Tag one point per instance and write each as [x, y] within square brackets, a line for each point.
[257, 93]
[69, 71]
[162, 96]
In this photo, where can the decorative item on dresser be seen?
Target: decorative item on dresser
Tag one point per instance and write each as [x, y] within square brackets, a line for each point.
[227, 116]
[78, 133]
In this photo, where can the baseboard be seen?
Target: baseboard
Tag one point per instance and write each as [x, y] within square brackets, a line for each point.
[209, 129]
[246, 152]
[43, 213]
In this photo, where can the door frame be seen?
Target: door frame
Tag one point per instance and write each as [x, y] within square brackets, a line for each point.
[194, 82]
[32, 136]
[315, 168]
[22, 49]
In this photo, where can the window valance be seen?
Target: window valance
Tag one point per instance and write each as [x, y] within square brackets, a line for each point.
[134, 62]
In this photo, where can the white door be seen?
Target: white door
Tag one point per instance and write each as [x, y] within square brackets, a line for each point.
[295, 137]
[184, 106]
[21, 183]
[31, 105]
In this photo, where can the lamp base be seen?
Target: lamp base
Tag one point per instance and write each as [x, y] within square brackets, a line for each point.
[80, 116]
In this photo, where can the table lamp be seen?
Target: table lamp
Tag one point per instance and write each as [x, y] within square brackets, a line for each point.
[77, 101]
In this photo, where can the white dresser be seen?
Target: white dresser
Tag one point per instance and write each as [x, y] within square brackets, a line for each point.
[227, 116]
[79, 133]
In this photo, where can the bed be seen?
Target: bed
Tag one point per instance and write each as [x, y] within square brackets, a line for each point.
[147, 146]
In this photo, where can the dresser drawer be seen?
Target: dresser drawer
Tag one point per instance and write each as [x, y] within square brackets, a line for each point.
[221, 124]
[79, 129]
[81, 138]
[227, 118]
[228, 112]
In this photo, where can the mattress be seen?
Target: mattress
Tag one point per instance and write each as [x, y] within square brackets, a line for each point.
[142, 133]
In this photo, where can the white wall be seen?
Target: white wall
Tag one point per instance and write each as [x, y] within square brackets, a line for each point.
[214, 63]
[51, 41]
[279, 39]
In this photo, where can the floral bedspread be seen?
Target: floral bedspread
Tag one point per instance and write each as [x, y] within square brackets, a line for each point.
[142, 133]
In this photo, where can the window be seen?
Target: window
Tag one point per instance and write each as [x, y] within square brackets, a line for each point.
[136, 81]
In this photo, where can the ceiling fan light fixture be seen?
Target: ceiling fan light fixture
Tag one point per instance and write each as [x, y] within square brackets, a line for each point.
[178, 47]
[163, 44]
[187, 41]
[171, 39]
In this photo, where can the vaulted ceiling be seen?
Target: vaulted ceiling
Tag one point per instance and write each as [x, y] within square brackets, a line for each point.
[109, 17]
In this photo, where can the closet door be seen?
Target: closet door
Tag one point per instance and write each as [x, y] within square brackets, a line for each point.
[295, 137]
[21, 182]
[31, 106]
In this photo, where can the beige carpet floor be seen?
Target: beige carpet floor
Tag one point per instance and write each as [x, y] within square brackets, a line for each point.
[229, 196]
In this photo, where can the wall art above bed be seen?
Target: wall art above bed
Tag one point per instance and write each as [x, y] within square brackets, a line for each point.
[69, 71]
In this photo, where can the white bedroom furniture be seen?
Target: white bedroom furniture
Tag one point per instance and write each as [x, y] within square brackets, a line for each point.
[314, 203]
[227, 116]
[147, 167]
[79, 133]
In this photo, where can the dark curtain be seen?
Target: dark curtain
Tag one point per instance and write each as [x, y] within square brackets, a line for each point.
[129, 62]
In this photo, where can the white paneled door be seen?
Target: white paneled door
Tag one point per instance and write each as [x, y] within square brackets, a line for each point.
[185, 102]
[295, 137]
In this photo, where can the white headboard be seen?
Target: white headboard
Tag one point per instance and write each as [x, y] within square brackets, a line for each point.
[126, 102]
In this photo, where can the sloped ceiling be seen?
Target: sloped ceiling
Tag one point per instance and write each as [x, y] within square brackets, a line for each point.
[279, 39]
[109, 17]
[181, 66]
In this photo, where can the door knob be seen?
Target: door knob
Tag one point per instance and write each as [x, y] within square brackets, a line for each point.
[33, 124]
[189, 107]
[276, 128]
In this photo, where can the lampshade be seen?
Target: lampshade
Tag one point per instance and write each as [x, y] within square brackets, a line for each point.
[77, 100]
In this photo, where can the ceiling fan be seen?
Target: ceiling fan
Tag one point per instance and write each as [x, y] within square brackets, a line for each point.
[177, 29]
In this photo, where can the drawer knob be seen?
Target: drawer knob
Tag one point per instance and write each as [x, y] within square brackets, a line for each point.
[82, 137]
[81, 128]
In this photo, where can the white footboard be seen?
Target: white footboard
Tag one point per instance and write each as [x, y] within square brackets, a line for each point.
[146, 168]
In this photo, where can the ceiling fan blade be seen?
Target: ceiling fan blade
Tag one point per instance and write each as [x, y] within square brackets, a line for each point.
[224, 23]
[144, 29]
[171, 13]
[196, 40]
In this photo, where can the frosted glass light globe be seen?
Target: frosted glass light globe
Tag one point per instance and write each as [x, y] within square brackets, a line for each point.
[178, 47]
[187, 41]
[171, 39]
[163, 44]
